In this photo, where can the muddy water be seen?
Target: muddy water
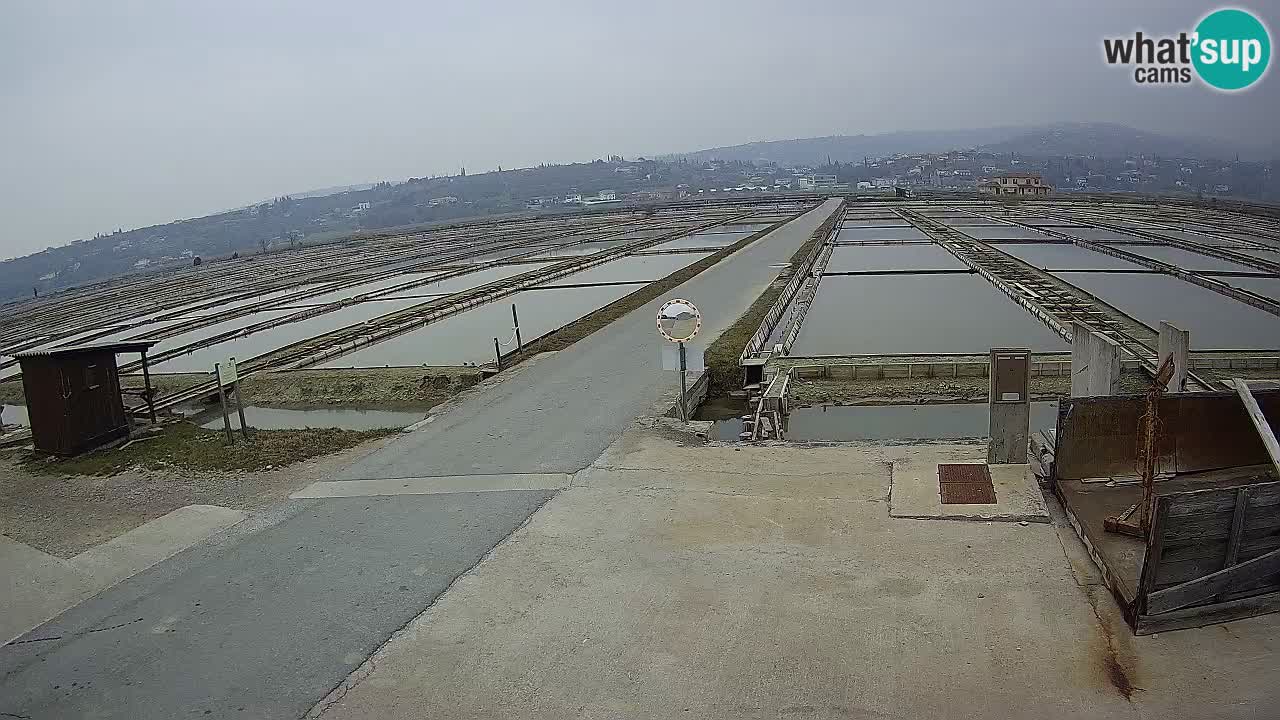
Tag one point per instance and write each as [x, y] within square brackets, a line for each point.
[638, 268]
[1186, 259]
[865, 258]
[14, 415]
[847, 423]
[263, 341]
[916, 314]
[726, 414]
[468, 336]
[998, 232]
[1215, 321]
[362, 289]
[839, 423]
[1061, 256]
[568, 251]
[1267, 286]
[881, 233]
[1271, 255]
[468, 281]
[285, 419]
[709, 239]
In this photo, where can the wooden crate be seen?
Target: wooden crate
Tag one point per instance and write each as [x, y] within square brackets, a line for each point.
[1212, 555]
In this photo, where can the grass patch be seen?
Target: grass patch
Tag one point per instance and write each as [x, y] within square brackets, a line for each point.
[721, 357]
[587, 324]
[11, 393]
[184, 446]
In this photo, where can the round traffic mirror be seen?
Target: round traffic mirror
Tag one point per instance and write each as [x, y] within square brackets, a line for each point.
[679, 320]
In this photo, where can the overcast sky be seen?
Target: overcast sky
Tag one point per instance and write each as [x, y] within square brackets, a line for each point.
[124, 114]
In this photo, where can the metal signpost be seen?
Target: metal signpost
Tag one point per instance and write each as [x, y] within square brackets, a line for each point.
[679, 321]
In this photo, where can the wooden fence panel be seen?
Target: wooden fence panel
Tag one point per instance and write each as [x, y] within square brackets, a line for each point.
[1209, 548]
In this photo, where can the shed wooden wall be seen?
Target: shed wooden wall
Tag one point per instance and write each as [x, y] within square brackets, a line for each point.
[67, 415]
[1098, 436]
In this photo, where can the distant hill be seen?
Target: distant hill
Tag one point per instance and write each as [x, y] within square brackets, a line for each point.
[327, 214]
[321, 192]
[317, 193]
[1107, 140]
[1100, 139]
[850, 148]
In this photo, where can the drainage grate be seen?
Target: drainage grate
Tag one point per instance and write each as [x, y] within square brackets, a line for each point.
[968, 473]
[965, 485]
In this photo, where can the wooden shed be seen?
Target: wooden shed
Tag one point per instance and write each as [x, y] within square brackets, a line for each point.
[74, 400]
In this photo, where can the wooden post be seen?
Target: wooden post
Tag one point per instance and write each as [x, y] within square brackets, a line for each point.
[1259, 421]
[1237, 530]
[146, 384]
[222, 395]
[497, 354]
[515, 319]
[244, 426]
[684, 411]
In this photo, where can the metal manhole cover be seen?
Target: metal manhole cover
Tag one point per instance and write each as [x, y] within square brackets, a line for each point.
[965, 484]
[967, 494]
[964, 473]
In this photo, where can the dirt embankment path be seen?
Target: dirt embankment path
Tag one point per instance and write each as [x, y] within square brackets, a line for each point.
[366, 387]
[888, 391]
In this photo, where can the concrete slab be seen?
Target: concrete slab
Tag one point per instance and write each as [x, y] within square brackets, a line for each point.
[434, 485]
[914, 491]
[36, 587]
[39, 586]
[326, 584]
[148, 544]
[765, 596]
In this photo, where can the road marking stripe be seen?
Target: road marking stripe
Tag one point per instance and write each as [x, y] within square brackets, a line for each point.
[435, 485]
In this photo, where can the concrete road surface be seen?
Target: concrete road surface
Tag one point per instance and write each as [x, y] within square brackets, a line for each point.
[267, 621]
[675, 580]
[267, 626]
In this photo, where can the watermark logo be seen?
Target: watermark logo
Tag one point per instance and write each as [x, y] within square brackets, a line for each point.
[1229, 49]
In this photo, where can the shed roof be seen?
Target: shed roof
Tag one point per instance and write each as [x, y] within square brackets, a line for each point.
[130, 346]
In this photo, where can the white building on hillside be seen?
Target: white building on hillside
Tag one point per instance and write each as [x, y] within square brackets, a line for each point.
[1015, 184]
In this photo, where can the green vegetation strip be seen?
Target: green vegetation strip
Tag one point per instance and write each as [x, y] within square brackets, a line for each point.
[588, 324]
[722, 355]
[183, 446]
[384, 387]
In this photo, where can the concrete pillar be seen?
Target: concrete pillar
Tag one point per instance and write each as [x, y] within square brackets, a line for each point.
[1095, 363]
[1104, 366]
[1176, 343]
[1080, 339]
[1010, 404]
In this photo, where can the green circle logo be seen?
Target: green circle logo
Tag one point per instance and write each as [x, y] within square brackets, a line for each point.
[1232, 49]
